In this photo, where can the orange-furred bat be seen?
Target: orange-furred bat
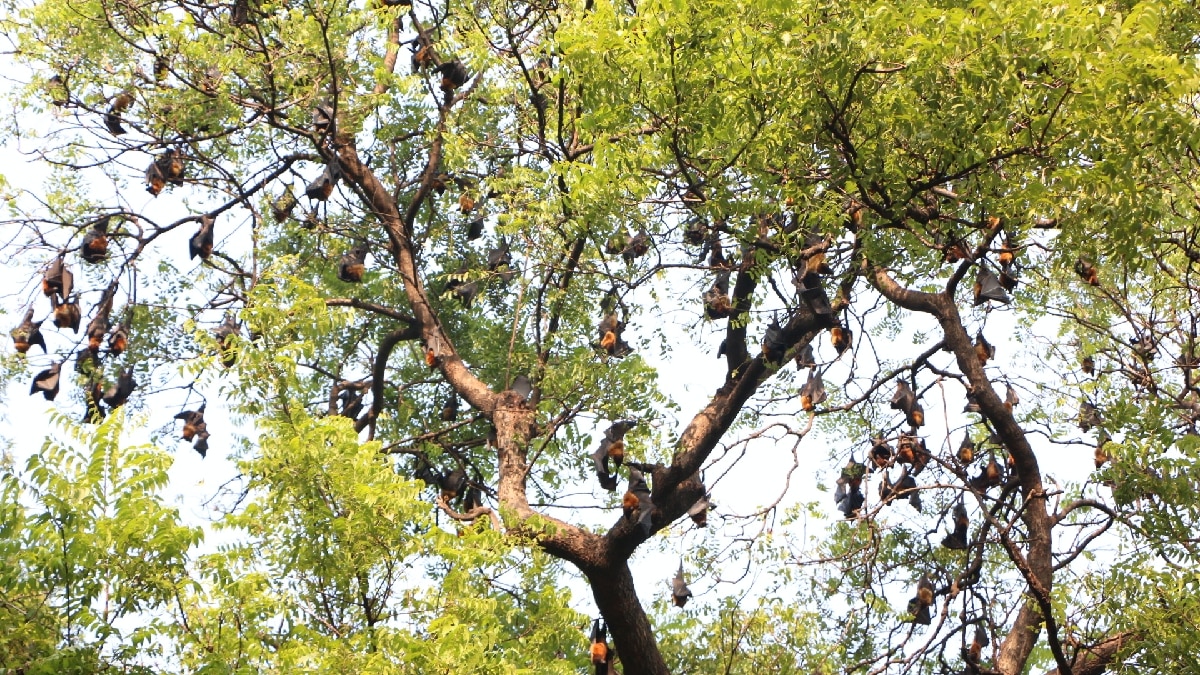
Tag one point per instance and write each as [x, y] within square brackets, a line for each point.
[66, 313]
[116, 395]
[95, 243]
[680, 593]
[640, 506]
[639, 245]
[1011, 400]
[773, 344]
[118, 340]
[201, 243]
[904, 399]
[465, 203]
[28, 333]
[841, 337]
[599, 649]
[918, 607]
[454, 75]
[610, 336]
[166, 168]
[987, 287]
[1100, 457]
[192, 421]
[47, 381]
[352, 265]
[1088, 365]
[225, 334]
[112, 118]
[984, 350]
[612, 446]
[282, 206]
[916, 416]
[805, 357]
[452, 484]
[1087, 271]
[1008, 253]
[813, 393]
[450, 409]
[716, 299]
[881, 451]
[57, 280]
[322, 186]
[98, 327]
[1089, 416]
[957, 540]
[155, 181]
[699, 511]
[966, 450]
[991, 476]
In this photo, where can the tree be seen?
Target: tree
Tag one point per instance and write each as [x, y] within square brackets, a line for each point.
[472, 285]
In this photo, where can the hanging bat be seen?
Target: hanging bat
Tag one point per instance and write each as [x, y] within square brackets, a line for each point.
[500, 262]
[957, 540]
[1009, 279]
[881, 451]
[116, 395]
[523, 386]
[118, 340]
[908, 486]
[991, 476]
[28, 333]
[974, 652]
[95, 243]
[171, 164]
[813, 293]
[98, 327]
[322, 117]
[87, 363]
[680, 593]
[987, 287]
[225, 334]
[639, 245]
[972, 405]
[813, 392]
[805, 357]
[112, 118]
[193, 422]
[848, 497]
[841, 337]
[773, 344]
[454, 75]
[699, 511]
[904, 399]
[475, 229]
[350, 402]
[155, 180]
[613, 444]
[966, 450]
[1011, 400]
[1087, 271]
[322, 186]
[816, 262]
[93, 413]
[457, 285]
[452, 484]
[636, 503]
[1088, 365]
[423, 471]
[1008, 252]
[599, 649]
[66, 313]
[610, 336]
[716, 298]
[449, 409]
[352, 265]
[282, 206]
[918, 607]
[47, 381]
[201, 243]
[466, 203]
[1089, 416]
[57, 279]
[1100, 457]
[984, 350]
[916, 416]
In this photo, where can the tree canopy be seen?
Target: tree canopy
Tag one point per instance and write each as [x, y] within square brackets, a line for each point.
[448, 262]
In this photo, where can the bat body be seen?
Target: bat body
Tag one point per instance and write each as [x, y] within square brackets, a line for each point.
[988, 288]
[984, 350]
[680, 593]
[919, 606]
[610, 336]
[98, 327]
[773, 344]
[454, 75]
[225, 334]
[450, 409]
[322, 186]
[201, 243]
[47, 381]
[353, 265]
[841, 338]
[813, 392]
[716, 299]
[966, 450]
[57, 280]
[475, 229]
[642, 506]
[195, 429]
[957, 539]
[112, 118]
[1087, 271]
[28, 333]
[281, 208]
[805, 357]
[118, 394]
[118, 340]
[95, 243]
[699, 511]
[639, 245]
[453, 484]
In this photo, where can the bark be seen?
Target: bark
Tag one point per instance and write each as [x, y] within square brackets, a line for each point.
[1095, 659]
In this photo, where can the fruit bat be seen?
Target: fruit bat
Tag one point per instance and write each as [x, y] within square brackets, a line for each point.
[918, 607]
[57, 279]
[848, 496]
[466, 203]
[155, 180]
[813, 392]
[454, 75]
[523, 386]
[1088, 365]
[612, 446]
[984, 350]
[116, 395]
[352, 265]
[904, 399]
[1009, 279]
[773, 344]
[98, 327]
[118, 340]
[699, 511]
[95, 243]
[475, 229]
[422, 470]
[350, 402]
[814, 294]
[225, 342]
[193, 422]
[881, 451]
[201, 243]
[87, 362]
[112, 118]
[28, 333]
[610, 336]
[452, 484]
[1011, 400]
[640, 506]
[716, 298]
[841, 337]
[966, 450]
[449, 409]
[166, 168]
[815, 263]
[47, 381]
[987, 287]
[972, 405]
[978, 642]
[322, 117]
[1100, 457]
[1087, 271]
[500, 261]
[639, 245]
[599, 649]
[1008, 253]
[457, 285]
[1089, 416]
[908, 486]
[805, 357]
[955, 249]
[56, 87]
[680, 593]
[916, 416]
[991, 476]
[695, 233]
[322, 186]
[957, 540]
[282, 206]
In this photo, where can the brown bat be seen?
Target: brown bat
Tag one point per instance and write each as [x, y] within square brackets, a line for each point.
[118, 340]
[454, 75]
[95, 243]
[28, 333]
[66, 313]
[47, 381]
[841, 337]
[193, 422]
[352, 265]
[225, 334]
[322, 186]
[112, 118]
[281, 208]
[680, 593]
[99, 325]
[1087, 271]
[57, 279]
[118, 394]
[984, 350]
[201, 243]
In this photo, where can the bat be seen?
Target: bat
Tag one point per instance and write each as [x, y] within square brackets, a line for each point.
[350, 402]
[57, 279]
[613, 443]
[201, 243]
[466, 203]
[813, 293]
[193, 422]
[841, 337]
[1011, 400]
[599, 649]
[225, 334]
[984, 351]
[56, 88]
[282, 206]
[322, 117]
[472, 499]
[352, 265]
[848, 497]
[773, 344]
[640, 504]
[699, 511]
[1009, 279]
[116, 395]
[112, 118]
[1089, 416]
[98, 327]
[972, 405]
[916, 416]
[638, 246]
[957, 540]
[118, 340]
[966, 450]
[1088, 365]
[201, 444]
[500, 262]
[904, 399]
[1008, 253]
[610, 336]
[475, 229]
[991, 476]
[881, 451]
[955, 249]
[716, 298]
[166, 168]
[454, 75]
[47, 381]
[523, 386]
[1100, 457]
[423, 51]
[423, 471]
[816, 263]
[322, 186]
[975, 651]
[805, 357]
[813, 392]
[908, 486]
[918, 607]
[155, 180]
[695, 233]
[680, 593]
[87, 362]
[28, 333]
[452, 484]
[987, 287]
[449, 409]
[1087, 271]
[95, 243]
